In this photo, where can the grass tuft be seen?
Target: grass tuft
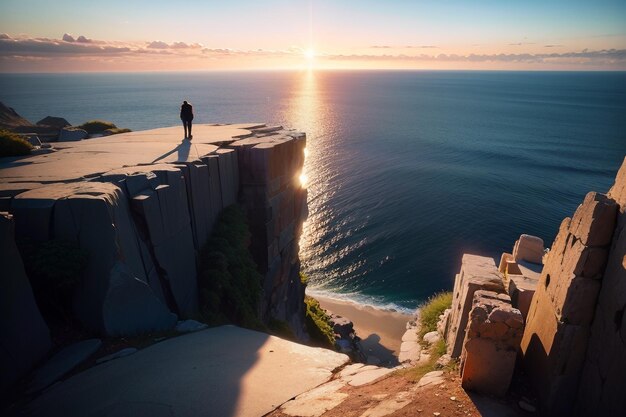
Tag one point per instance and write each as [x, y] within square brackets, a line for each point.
[429, 313]
[13, 145]
[96, 126]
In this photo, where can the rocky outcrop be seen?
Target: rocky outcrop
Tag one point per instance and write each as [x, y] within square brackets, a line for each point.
[10, 119]
[558, 324]
[491, 343]
[269, 169]
[24, 336]
[57, 122]
[477, 273]
[521, 271]
[71, 134]
[144, 223]
[602, 382]
[114, 297]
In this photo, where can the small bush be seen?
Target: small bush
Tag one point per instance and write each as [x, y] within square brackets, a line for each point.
[96, 126]
[115, 131]
[431, 310]
[12, 144]
[318, 323]
[229, 282]
[304, 279]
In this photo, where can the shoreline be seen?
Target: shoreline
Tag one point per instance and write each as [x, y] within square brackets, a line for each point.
[380, 331]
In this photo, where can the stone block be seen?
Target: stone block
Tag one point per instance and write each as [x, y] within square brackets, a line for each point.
[477, 273]
[24, 335]
[69, 134]
[618, 190]
[528, 248]
[594, 220]
[196, 177]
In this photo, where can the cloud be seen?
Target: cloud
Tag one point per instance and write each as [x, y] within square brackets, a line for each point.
[4, 36]
[158, 45]
[46, 47]
[604, 55]
[68, 38]
[552, 46]
[83, 39]
[421, 46]
[380, 47]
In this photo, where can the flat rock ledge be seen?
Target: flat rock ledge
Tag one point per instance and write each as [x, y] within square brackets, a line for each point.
[221, 371]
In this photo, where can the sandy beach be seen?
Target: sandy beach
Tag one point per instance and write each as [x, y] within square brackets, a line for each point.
[381, 331]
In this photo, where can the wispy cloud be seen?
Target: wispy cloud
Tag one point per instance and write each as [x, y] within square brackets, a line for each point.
[154, 54]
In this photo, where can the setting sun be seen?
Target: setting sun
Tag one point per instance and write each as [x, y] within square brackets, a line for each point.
[309, 54]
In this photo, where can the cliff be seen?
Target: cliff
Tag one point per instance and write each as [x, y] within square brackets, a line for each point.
[140, 206]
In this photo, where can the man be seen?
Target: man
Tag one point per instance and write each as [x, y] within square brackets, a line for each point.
[186, 115]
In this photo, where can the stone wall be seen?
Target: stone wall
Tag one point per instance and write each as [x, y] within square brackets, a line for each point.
[557, 331]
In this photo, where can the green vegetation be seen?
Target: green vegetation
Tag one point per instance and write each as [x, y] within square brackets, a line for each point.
[304, 279]
[318, 323]
[12, 144]
[115, 131]
[229, 282]
[428, 318]
[431, 310]
[96, 126]
[55, 269]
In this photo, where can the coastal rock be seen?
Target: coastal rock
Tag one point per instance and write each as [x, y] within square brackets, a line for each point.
[528, 248]
[9, 118]
[24, 335]
[72, 134]
[188, 326]
[477, 273]
[431, 337]
[492, 339]
[114, 297]
[602, 382]
[119, 354]
[558, 325]
[54, 121]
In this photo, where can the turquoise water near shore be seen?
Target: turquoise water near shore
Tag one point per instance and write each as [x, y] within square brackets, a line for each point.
[406, 170]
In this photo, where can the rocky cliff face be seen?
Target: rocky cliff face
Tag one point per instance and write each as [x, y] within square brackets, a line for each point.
[143, 204]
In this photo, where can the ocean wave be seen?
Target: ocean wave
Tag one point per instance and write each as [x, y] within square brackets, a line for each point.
[378, 303]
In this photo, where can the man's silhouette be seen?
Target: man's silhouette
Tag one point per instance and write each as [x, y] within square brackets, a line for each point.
[186, 115]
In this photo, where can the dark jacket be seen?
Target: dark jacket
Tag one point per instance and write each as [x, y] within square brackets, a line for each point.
[186, 112]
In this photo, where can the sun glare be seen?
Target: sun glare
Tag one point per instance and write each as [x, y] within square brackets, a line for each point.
[309, 54]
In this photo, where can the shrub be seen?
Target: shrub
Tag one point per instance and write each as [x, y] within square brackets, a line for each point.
[55, 269]
[431, 310]
[318, 323]
[304, 279]
[229, 282]
[96, 126]
[115, 131]
[12, 144]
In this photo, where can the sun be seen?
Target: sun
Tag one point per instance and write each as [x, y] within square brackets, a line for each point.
[309, 54]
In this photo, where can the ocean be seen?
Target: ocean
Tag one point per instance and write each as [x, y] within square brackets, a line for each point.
[407, 170]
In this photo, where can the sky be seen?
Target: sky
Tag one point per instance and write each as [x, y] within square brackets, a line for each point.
[138, 35]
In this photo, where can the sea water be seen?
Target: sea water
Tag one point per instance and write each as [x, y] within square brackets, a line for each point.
[406, 170]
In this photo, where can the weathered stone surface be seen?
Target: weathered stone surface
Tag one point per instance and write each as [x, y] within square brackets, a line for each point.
[431, 337]
[528, 248]
[492, 339]
[116, 355]
[601, 389]
[24, 336]
[557, 330]
[63, 362]
[477, 273]
[114, 297]
[218, 366]
[72, 134]
[594, 220]
[431, 378]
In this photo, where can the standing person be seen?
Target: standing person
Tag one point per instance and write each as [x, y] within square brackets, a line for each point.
[186, 115]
